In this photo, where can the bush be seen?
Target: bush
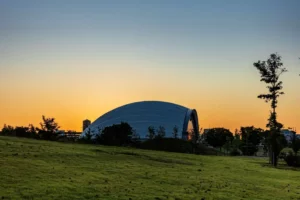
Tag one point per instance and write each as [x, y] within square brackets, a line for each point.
[168, 144]
[282, 154]
[176, 145]
[204, 150]
[47, 135]
[248, 150]
[235, 152]
[291, 159]
[116, 135]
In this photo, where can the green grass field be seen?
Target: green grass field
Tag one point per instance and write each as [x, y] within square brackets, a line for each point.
[31, 169]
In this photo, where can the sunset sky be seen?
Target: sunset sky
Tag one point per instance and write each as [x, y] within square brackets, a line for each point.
[79, 59]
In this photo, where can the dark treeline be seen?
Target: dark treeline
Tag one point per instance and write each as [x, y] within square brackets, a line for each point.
[248, 141]
[48, 130]
[123, 135]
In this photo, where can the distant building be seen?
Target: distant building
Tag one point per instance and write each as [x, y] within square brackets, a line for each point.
[85, 124]
[68, 134]
[288, 134]
[141, 115]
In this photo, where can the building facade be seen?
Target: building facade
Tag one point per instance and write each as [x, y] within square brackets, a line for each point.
[85, 124]
[141, 115]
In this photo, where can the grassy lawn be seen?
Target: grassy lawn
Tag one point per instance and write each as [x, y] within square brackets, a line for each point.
[31, 169]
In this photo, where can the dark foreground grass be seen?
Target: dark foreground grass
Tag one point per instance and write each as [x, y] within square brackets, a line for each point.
[31, 169]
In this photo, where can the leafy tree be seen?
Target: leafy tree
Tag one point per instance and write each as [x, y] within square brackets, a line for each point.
[251, 138]
[32, 131]
[19, 131]
[251, 134]
[161, 132]
[8, 130]
[228, 144]
[117, 135]
[135, 138]
[49, 128]
[217, 137]
[22, 131]
[270, 72]
[236, 143]
[175, 132]
[49, 125]
[265, 140]
[151, 132]
[237, 134]
[295, 144]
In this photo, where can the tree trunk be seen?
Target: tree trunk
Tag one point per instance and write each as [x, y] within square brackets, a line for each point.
[270, 154]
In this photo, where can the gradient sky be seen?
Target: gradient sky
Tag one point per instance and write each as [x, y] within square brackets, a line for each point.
[79, 59]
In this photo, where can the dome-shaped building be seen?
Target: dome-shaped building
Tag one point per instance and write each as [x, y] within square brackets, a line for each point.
[141, 115]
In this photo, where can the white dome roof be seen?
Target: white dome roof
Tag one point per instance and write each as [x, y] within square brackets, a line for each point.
[141, 115]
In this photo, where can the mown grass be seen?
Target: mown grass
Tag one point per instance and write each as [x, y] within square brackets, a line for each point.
[31, 169]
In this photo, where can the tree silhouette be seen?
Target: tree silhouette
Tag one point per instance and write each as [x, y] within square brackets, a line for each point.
[195, 136]
[49, 125]
[135, 138]
[49, 128]
[270, 72]
[251, 138]
[217, 137]
[8, 130]
[32, 130]
[117, 134]
[151, 132]
[175, 132]
[295, 144]
[161, 132]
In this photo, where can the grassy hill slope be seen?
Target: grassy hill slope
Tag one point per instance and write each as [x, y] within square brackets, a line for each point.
[31, 169]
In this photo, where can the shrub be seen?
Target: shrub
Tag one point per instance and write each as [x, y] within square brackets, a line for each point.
[47, 135]
[248, 150]
[204, 150]
[116, 135]
[235, 152]
[176, 145]
[283, 154]
[291, 159]
[168, 144]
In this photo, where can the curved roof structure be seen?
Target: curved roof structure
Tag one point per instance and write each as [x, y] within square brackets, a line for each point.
[141, 115]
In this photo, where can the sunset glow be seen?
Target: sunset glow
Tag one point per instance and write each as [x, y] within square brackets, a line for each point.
[80, 63]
